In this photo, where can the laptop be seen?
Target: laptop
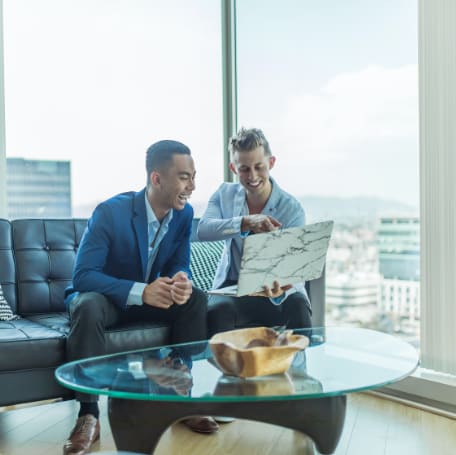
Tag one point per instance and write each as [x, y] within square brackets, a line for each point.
[289, 256]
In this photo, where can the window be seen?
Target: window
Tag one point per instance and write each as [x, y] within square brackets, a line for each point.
[91, 84]
[334, 86]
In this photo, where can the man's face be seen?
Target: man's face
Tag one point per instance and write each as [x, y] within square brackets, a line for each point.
[176, 183]
[252, 168]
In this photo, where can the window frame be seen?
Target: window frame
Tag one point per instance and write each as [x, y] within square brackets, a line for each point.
[3, 201]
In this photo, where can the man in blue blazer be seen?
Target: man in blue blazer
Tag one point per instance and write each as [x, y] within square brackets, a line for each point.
[133, 264]
[255, 204]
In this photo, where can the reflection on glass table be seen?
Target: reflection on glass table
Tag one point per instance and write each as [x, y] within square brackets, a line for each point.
[158, 386]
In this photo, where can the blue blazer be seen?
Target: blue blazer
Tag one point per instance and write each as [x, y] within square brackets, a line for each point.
[114, 248]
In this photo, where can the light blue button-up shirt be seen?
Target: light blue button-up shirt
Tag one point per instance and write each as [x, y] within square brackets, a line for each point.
[156, 231]
[237, 246]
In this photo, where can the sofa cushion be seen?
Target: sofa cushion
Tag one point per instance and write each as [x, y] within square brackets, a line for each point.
[60, 322]
[27, 345]
[123, 337]
[6, 313]
[204, 260]
[39, 340]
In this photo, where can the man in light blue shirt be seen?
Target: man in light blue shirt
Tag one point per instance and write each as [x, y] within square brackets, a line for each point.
[255, 204]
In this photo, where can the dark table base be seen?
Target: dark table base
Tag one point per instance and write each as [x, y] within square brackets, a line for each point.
[138, 425]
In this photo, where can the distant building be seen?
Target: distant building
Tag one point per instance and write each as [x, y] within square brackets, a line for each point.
[399, 263]
[352, 289]
[38, 188]
[399, 248]
[352, 297]
[401, 298]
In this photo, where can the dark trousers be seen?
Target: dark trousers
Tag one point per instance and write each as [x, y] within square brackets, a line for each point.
[91, 313]
[228, 313]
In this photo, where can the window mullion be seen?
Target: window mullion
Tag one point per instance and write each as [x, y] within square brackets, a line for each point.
[3, 202]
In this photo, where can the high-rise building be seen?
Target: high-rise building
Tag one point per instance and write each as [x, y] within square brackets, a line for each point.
[399, 263]
[399, 248]
[38, 188]
[401, 297]
[352, 297]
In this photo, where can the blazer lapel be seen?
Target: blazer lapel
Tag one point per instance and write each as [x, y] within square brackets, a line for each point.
[140, 228]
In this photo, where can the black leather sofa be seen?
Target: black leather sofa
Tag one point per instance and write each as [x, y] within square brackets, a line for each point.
[36, 262]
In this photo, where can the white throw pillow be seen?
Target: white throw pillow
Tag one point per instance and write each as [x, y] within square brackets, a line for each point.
[6, 313]
[204, 260]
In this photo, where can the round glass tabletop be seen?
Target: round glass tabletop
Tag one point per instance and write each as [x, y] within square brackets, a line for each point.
[338, 361]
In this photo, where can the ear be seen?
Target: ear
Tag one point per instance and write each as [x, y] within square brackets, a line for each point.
[155, 178]
[232, 168]
[271, 160]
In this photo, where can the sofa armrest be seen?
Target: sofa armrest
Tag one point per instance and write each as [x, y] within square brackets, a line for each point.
[316, 292]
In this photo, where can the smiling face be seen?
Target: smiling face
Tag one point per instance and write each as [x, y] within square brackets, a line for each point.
[171, 187]
[252, 167]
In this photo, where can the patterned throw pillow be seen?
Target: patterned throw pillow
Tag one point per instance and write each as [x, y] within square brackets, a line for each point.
[204, 260]
[6, 314]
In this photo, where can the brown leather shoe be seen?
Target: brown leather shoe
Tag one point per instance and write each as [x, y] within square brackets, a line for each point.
[84, 434]
[201, 424]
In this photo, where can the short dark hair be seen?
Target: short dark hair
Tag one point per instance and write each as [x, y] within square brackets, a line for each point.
[248, 139]
[161, 153]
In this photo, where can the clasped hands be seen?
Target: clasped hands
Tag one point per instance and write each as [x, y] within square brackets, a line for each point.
[164, 291]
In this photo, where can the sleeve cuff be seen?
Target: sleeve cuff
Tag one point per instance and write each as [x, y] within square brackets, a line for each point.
[135, 295]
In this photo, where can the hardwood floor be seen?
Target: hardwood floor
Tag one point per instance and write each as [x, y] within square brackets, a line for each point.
[373, 425]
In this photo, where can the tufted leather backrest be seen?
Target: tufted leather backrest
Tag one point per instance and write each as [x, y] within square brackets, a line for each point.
[36, 261]
[7, 269]
[44, 251]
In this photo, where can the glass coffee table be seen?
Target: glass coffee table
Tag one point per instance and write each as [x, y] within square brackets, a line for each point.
[149, 390]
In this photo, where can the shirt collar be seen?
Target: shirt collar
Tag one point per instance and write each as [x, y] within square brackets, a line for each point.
[151, 218]
[274, 197]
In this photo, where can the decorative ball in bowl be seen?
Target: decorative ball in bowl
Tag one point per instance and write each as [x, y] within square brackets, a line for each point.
[258, 351]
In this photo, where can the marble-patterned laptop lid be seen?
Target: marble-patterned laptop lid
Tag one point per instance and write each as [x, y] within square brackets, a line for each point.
[289, 256]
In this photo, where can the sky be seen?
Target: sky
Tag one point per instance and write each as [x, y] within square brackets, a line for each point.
[332, 84]
[335, 87]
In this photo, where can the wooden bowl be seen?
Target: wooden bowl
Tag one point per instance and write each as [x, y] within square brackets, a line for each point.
[259, 351]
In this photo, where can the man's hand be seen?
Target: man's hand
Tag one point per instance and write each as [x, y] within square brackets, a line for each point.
[164, 291]
[259, 223]
[181, 289]
[275, 291]
[158, 293]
